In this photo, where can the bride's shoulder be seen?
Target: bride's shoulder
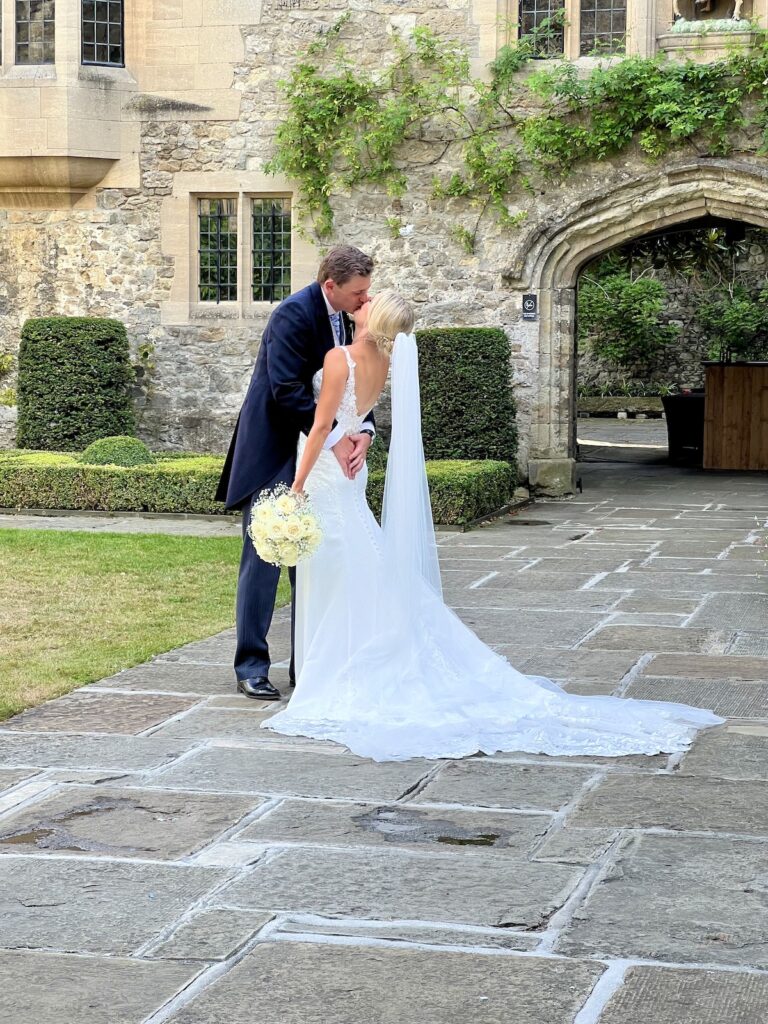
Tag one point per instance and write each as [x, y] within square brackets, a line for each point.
[334, 357]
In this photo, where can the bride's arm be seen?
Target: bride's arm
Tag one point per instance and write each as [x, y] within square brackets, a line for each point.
[335, 373]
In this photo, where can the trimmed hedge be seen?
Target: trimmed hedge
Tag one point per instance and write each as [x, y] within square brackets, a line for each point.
[461, 491]
[467, 405]
[74, 382]
[117, 451]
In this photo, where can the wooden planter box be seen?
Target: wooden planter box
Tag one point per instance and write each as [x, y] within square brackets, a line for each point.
[736, 416]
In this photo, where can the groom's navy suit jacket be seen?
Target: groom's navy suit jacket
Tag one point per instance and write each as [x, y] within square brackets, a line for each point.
[279, 404]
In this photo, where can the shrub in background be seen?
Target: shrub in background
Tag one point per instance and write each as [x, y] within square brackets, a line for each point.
[74, 382]
[467, 405]
[117, 451]
[179, 482]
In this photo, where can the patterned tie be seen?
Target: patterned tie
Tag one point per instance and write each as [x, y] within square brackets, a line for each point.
[338, 327]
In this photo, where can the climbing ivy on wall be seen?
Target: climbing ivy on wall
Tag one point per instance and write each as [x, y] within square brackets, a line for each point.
[490, 140]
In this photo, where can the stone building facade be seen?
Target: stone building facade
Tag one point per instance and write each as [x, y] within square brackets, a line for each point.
[124, 126]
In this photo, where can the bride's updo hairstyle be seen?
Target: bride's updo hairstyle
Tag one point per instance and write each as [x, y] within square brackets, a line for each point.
[390, 315]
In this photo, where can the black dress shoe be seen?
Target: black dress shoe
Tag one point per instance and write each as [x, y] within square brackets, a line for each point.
[259, 688]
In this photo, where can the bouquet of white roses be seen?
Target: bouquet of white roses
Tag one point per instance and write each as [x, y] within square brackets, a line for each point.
[283, 527]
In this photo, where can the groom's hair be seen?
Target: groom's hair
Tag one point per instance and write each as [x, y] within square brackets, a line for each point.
[343, 263]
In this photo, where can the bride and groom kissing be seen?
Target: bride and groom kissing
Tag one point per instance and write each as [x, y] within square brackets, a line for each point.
[379, 662]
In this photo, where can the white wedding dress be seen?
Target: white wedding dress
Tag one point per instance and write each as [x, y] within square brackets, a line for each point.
[387, 669]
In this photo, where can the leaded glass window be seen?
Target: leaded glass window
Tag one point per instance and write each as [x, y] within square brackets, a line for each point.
[271, 249]
[603, 26]
[102, 32]
[35, 32]
[544, 20]
[217, 249]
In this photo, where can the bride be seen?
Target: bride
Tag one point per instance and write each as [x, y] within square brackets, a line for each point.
[383, 665]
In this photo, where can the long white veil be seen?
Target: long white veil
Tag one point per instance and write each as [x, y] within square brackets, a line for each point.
[409, 534]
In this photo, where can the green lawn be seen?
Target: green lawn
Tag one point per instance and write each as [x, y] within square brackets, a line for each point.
[75, 607]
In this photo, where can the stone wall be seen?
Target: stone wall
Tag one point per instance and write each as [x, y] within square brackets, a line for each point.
[128, 252]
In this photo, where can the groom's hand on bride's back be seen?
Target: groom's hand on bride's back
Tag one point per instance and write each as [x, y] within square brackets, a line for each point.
[361, 443]
[343, 450]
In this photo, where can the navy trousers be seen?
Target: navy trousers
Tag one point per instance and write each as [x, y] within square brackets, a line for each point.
[256, 594]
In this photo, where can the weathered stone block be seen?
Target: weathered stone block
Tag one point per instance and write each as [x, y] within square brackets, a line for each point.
[390, 986]
[677, 898]
[552, 478]
[416, 828]
[41, 987]
[394, 885]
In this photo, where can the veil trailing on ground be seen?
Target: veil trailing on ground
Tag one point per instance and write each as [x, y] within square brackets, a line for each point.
[409, 534]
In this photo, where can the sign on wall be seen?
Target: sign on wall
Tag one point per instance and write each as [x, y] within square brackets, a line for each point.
[530, 307]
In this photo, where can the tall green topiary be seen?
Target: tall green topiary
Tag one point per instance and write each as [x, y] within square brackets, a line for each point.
[74, 383]
[467, 405]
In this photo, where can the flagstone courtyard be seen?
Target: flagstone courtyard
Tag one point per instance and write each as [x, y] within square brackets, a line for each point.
[164, 859]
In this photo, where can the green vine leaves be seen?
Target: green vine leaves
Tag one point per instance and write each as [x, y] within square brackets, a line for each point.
[488, 141]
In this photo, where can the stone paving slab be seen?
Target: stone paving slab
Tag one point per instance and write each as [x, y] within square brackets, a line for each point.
[663, 563]
[645, 619]
[556, 628]
[173, 677]
[527, 600]
[9, 777]
[239, 722]
[292, 773]
[687, 997]
[211, 935]
[103, 713]
[733, 611]
[750, 644]
[750, 552]
[732, 752]
[544, 581]
[683, 583]
[675, 802]
[433, 935]
[575, 845]
[395, 885]
[390, 986]
[654, 638]
[582, 664]
[730, 698]
[93, 906]
[404, 826]
[516, 786]
[111, 753]
[119, 822]
[711, 667]
[41, 988]
[643, 603]
[216, 650]
[685, 899]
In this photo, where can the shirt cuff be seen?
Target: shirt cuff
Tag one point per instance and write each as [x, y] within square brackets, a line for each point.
[368, 425]
[333, 438]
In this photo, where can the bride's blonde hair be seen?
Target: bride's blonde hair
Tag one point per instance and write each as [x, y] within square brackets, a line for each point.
[389, 316]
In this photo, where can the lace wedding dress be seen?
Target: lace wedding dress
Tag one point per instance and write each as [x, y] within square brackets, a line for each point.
[387, 669]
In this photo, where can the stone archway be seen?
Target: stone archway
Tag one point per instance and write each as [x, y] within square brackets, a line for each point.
[555, 252]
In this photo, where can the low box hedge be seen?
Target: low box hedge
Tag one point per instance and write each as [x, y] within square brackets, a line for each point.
[461, 491]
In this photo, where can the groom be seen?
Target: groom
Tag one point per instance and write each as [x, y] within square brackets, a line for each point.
[279, 406]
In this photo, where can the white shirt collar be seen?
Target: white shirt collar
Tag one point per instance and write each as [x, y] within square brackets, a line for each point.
[328, 306]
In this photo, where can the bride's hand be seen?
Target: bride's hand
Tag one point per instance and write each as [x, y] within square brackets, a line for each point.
[298, 487]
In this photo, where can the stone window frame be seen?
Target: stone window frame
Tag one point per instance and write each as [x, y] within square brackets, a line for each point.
[113, 7]
[275, 252]
[47, 8]
[236, 247]
[641, 27]
[178, 233]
